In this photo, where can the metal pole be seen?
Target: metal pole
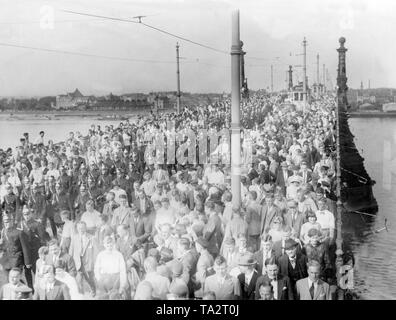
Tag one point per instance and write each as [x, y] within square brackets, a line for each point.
[235, 112]
[305, 73]
[178, 78]
[317, 76]
[272, 78]
[341, 103]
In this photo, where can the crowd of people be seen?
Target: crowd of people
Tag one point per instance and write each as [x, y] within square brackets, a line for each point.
[95, 217]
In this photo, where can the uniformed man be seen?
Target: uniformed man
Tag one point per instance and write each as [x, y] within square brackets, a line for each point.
[33, 236]
[10, 245]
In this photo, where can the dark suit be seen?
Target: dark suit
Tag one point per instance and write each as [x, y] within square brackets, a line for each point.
[141, 229]
[294, 274]
[213, 234]
[189, 262]
[58, 292]
[285, 291]
[12, 248]
[32, 236]
[279, 250]
[248, 292]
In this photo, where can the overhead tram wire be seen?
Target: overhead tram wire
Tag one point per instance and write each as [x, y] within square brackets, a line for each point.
[151, 27]
[83, 54]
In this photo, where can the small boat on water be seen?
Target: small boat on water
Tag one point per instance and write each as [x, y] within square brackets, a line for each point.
[113, 117]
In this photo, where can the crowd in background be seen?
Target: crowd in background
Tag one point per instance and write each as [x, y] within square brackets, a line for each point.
[97, 217]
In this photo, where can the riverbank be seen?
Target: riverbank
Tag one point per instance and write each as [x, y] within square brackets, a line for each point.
[56, 114]
[379, 114]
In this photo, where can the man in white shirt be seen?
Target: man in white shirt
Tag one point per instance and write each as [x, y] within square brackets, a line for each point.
[326, 219]
[40, 138]
[110, 269]
[216, 176]
[91, 217]
[166, 214]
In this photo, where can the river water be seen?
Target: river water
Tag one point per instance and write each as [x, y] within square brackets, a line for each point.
[375, 253]
[57, 130]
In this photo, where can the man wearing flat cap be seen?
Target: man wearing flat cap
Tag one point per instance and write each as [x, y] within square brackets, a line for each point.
[248, 276]
[293, 217]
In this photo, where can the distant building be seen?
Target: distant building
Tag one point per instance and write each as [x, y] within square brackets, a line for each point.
[389, 107]
[367, 107]
[71, 100]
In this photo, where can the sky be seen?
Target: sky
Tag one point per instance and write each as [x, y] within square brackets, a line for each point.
[272, 32]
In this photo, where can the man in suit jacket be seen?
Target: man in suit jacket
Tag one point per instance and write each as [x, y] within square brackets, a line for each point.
[54, 289]
[32, 236]
[140, 227]
[144, 203]
[312, 288]
[7, 291]
[281, 284]
[266, 252]
[305, 172]
[293, 218]
[122, 214]
[83, 251]
[10, 245]
[268, 212]
[248, 277]
[279, 246]
[221, 283]
[204, 265]
[212, 231]
[189, 262]
[55, 254]
[283, 174]
[293, 265]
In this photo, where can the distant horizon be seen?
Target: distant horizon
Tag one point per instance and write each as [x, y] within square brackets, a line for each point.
[45, 49]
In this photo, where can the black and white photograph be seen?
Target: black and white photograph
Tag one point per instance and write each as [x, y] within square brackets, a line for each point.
[197, 150]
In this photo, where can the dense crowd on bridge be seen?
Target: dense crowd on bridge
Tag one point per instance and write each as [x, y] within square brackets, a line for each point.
[94, 218]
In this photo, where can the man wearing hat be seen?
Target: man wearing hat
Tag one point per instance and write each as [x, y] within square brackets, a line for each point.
[248, 277]
[293, 217]
[293, 264]
[204, 264]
